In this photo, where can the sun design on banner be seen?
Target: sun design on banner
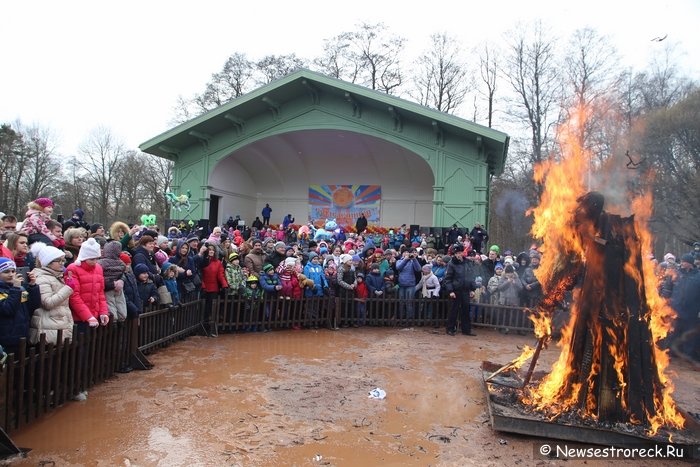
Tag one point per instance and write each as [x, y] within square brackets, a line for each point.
[345, 203]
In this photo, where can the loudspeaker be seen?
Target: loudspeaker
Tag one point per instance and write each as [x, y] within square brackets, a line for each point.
[203, 224]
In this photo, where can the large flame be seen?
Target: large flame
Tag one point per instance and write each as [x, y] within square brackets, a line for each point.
[564, 182]
[661, 320]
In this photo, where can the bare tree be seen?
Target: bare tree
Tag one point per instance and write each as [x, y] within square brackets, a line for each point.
[378, 52]
[441, 79]
[131, 197]
[11, 144]
[272, 67]
[488, 68]
[101, 159]
[669, 144]
[234, 80]
[533, 74]
[370, 56]
[590, 66]
[663, 84]
[337, 60]
[157, 183]
[42, 163]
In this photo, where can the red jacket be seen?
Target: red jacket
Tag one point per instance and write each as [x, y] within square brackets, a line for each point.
[290, 285]
[361, 291]
[88, 298]
[213, 278]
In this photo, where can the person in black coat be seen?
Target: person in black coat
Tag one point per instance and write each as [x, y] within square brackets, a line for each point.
[134, 304]
[452, 234]
[459, 283]
[478, 237]
[144, 254]
[361, 224]
[685, 300]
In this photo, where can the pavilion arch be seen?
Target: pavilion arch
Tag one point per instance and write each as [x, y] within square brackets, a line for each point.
[279, 169]
[269, 145]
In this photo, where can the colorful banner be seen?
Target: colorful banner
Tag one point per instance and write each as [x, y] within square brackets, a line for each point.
[345, 203]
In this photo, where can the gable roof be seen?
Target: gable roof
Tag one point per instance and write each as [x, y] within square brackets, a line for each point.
[305, 81]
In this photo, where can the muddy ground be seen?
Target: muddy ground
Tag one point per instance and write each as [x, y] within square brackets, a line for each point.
[301, 398]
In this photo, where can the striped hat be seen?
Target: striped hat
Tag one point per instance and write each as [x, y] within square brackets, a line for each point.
[6, 264]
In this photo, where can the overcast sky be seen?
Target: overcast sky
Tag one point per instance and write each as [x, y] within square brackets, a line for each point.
[75, 65]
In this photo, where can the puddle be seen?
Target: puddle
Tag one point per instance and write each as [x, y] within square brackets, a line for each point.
[293, 398]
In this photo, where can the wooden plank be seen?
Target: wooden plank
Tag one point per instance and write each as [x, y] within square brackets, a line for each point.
[19, 393]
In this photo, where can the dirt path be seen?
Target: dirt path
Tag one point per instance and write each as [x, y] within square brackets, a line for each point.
[300, 398]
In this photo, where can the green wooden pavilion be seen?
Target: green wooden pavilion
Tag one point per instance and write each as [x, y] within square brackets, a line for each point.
[309, 130]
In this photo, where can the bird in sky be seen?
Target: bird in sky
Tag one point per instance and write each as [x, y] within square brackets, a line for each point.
[659, 38]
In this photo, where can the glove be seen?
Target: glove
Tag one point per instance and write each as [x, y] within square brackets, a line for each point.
[70, 281]
[92, 322]
[118, 285]
[104, 320]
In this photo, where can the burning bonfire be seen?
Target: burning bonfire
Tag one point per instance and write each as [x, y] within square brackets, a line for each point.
[611, 370]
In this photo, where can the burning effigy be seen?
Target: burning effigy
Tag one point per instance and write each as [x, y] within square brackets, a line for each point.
[611, 374]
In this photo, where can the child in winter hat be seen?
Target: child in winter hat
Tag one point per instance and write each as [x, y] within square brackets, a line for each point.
[38, 214]
[90, 249]
[45, 253]
[7, 264]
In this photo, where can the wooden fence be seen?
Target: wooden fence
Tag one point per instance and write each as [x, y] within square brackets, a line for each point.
[236, 315]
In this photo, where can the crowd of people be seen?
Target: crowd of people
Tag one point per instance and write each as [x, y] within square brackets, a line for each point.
[57, 276]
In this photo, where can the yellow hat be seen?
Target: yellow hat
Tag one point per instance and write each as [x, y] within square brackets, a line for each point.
[252, 278]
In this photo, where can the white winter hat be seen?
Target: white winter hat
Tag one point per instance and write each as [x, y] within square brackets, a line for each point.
[345, 258]
[45, 253]
[290, 262]
[90, 249]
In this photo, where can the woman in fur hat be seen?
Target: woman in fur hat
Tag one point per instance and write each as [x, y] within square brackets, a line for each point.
[123, 234]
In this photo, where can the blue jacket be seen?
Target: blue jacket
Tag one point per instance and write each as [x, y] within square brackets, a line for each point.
[16, 308]
[407, 269]
[171, 285]
[269, 282]
[375, 282]
[315, 273]
[439, 271]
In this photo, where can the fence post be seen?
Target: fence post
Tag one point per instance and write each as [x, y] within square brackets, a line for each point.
[137, 358]
[335, 321]
[7, 447]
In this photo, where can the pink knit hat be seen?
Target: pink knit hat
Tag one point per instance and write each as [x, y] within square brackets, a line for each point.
[44, 202]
